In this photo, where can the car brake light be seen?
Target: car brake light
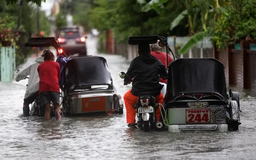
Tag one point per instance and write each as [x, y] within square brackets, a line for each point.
[82, 39]
[61, 40]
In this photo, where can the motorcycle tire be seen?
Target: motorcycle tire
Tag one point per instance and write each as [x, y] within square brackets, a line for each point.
[145, 126]
[34, 109]
[26, 111]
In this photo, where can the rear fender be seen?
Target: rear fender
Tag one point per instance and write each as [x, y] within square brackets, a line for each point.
[235, 110]
[235, 96]
[145, 116]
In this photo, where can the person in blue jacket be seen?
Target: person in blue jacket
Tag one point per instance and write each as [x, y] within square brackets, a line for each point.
[62, 60]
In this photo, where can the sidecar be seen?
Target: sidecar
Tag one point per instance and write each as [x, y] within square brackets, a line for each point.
[88, 87]
[197, 98]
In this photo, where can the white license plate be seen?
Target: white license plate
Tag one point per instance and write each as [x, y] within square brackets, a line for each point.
[202, 115]
[147, 109]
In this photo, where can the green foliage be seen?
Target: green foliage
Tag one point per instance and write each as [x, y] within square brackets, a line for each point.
[12, 2]
[27, 28]
[44, 24]
[153, 4]
[80, 14]
[178, 19]
[60, 20]
[126, 19]
[102, 15]
[4, 29]
[193, 41]
[236, 22]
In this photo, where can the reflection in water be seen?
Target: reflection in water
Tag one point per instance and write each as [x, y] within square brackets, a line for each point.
[50, 129]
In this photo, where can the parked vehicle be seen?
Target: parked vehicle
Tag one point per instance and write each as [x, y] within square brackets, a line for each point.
[88, 87]
[72, 41]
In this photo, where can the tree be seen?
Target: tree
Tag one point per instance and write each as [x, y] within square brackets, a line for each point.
[201, 17]
[236, 22]
[80, 13]
[126, 19]
[27, 27]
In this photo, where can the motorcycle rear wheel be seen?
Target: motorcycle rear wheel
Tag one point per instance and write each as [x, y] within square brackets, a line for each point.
[145, 126]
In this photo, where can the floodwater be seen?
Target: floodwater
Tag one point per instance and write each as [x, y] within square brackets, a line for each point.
[108, 137]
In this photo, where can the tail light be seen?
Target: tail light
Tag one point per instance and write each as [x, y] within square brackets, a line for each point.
[81, 40]
[144, 102]
[61, 40]
[60, 50]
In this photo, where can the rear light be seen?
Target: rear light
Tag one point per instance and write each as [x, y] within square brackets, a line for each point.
[60, 50]
[61, 40]
[144, 102]
[81, 40]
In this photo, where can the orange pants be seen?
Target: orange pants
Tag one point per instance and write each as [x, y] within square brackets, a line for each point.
[130, 100]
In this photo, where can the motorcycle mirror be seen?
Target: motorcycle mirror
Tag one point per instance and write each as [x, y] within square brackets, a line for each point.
[122, 75]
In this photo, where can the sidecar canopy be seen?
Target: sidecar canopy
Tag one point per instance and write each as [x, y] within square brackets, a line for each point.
[42, 42]
[145, 39]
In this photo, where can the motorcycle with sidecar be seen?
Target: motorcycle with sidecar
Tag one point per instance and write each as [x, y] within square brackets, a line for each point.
[196, 98]
[88, 87]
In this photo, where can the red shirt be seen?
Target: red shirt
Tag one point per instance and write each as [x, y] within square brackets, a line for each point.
[49, 74]
[161, 56]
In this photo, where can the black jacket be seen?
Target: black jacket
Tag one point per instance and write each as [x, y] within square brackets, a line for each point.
[144, 72]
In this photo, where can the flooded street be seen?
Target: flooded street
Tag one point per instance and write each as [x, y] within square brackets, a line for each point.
[108, 137]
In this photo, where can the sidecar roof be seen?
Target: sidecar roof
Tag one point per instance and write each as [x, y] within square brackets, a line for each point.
[42, 42]
[145, 39]
[86, 71]
[196, 75]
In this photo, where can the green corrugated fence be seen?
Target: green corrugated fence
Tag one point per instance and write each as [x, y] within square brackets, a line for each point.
[7, 61]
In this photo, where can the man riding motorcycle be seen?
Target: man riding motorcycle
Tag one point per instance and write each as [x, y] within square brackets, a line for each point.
[33, 83]
[144, 73]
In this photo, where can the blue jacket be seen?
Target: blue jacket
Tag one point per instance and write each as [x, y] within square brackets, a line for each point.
[62, 61]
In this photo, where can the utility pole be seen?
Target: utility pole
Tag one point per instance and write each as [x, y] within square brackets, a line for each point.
[19, 13]
[4, 7]
[38, 28]
[38, 21]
